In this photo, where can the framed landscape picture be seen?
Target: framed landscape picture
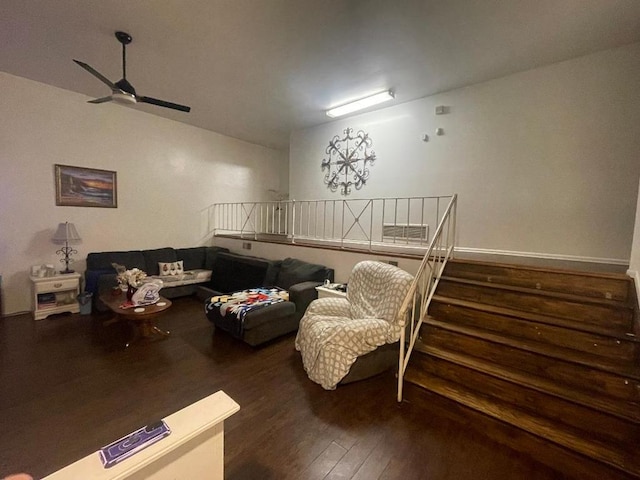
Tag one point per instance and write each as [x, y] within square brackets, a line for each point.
[85, 187]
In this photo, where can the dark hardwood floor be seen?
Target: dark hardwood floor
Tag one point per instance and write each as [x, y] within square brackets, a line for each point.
[68, 388]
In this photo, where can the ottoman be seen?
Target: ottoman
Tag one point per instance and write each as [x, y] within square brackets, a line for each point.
[253, 315]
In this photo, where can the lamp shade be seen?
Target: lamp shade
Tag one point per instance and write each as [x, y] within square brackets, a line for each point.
[66, 233]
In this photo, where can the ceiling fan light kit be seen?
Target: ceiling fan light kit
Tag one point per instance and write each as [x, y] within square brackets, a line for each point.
[125, 98]
[360, 104]
[122, 91]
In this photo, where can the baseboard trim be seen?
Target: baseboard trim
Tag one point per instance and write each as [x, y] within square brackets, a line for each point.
[15, 314]
[636, 277]
[545, 256]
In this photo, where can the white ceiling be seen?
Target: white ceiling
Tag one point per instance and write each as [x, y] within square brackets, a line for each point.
[258, 69]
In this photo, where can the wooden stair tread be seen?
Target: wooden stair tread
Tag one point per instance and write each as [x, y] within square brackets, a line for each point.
[599, 313]
[516, 266]
[505, 412]
[622, 409]
[616, 286]
[562, 354]
[604, 426]
[548, 293]
[566, 375]
[572, 464]
[615, 347]
[537, 317]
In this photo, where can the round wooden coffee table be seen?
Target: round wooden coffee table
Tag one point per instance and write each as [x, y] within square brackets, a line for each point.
[142, 318]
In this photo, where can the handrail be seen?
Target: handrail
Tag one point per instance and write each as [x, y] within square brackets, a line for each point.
[424, 286]
[370, 222]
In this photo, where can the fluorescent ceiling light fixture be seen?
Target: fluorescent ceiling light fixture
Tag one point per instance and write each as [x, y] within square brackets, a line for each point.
[360, 104]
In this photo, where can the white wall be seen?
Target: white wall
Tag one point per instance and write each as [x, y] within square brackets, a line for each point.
[544, 161]
[168, 173]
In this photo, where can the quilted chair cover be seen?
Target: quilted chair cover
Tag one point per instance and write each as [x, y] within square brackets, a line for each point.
[334, 332]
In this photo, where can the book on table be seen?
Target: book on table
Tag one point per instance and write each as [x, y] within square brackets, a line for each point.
[47, 300]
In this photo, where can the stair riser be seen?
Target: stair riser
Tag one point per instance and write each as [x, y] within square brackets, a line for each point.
[574, 283]
[619, 321]
[617, 350]
[572, 375]
[605, 427]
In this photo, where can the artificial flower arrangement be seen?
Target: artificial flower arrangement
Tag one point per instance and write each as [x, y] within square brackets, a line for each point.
[129, 278]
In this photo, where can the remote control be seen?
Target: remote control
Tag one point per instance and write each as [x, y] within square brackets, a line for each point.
[132, 443]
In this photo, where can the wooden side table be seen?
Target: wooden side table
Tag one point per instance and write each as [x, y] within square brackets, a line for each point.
[142, 318]
[55, 294]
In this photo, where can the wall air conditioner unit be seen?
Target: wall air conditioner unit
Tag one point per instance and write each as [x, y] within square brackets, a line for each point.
[392, 232]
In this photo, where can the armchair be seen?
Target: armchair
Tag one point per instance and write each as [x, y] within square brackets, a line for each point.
[335, 332]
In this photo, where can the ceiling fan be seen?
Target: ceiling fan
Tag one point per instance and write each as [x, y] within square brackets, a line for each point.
[122, 91]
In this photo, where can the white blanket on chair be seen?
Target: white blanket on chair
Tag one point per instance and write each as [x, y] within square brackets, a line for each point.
[328, 349]
[334, 332]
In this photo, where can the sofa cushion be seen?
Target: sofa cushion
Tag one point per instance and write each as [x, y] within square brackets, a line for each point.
[103, 260]
[192, 258]
[273, 271]
[210, 256]
[153, 257]
[294, 271]
[233, 272]
[222, 274]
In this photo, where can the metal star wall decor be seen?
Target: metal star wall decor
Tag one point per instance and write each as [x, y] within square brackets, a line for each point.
[348, 160]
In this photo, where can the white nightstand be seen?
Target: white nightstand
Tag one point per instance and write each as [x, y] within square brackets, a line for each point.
[325, 291]
[55, 294]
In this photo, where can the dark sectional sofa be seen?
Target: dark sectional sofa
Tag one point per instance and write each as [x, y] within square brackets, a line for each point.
[230, 273]
[100, 276]
[233, 272]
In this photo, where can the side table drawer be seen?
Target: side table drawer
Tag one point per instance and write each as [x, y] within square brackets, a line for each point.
[57, 285]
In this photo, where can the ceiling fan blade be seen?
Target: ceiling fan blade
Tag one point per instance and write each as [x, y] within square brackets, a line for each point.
[162, 103]
[96, 74]
[101, 100]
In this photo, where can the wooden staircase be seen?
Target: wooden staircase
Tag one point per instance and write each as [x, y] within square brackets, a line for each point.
[553, 353]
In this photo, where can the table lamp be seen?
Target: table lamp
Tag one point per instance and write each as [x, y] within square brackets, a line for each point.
[66, 234]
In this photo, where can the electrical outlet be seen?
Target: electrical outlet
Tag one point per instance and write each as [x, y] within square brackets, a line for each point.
[246, 245]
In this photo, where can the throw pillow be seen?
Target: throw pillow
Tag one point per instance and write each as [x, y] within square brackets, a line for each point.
[171, 268]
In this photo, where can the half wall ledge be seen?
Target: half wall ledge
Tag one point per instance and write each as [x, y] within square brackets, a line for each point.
[543, 260]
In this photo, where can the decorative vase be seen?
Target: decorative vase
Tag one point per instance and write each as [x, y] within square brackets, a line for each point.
[130, 292]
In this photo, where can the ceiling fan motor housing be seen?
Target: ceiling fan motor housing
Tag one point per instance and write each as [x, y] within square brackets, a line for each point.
[125, 86]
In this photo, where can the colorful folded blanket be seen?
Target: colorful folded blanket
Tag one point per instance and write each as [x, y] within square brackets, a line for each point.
[245, 301]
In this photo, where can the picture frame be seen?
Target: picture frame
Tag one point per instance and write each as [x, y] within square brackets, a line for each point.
[44, 270]
[85, 187]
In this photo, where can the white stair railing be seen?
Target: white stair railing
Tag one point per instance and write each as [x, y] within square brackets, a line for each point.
[400, 221]
[416, 304]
